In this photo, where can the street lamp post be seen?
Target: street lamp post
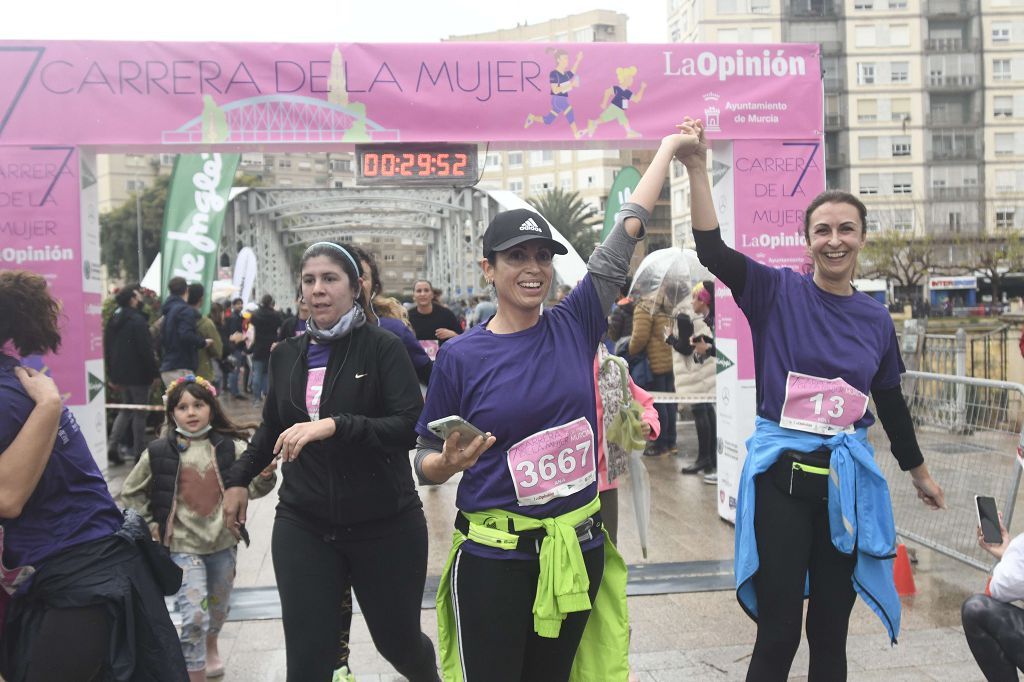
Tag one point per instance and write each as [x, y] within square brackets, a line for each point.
[138, 227]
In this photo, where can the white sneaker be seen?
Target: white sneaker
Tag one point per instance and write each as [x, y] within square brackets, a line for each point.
[712, 478]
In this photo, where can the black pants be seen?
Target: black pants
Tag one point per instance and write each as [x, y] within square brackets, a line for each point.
[494, 614]
[705, 421]
[610, 513]
[81, 635]
[995, 633]
[387, 574]
[793, 542]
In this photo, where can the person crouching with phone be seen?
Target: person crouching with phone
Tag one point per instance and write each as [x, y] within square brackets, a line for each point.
[529, 555]
[993, 625]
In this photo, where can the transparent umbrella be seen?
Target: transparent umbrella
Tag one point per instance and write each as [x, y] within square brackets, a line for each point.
[663, 274]
[640, 487]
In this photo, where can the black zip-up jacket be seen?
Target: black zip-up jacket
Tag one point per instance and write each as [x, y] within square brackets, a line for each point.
[129, 349]
[361, 474]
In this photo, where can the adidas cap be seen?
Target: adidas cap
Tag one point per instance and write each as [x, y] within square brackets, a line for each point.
[515, 227]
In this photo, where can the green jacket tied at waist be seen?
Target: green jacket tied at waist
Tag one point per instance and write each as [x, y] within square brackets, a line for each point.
[562, 588]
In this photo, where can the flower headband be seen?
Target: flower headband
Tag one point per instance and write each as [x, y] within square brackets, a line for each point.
[190, 379]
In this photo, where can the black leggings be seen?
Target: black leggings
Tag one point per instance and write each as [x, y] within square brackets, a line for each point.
[705, 421]
[494, 615]
[995, 633]
[793, 542]
[387, 574]
[81, 635]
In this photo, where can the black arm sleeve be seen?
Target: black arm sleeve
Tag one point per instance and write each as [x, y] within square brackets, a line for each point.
[899, 427]
[681, 342]
[725, 263]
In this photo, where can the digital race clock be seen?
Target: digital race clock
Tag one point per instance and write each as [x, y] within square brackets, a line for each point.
[416, 164]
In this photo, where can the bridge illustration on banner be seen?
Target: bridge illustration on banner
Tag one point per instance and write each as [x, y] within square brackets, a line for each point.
[282, 119]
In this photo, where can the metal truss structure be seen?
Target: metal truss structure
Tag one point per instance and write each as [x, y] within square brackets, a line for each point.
[274, 222]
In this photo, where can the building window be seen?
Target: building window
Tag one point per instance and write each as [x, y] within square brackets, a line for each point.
[865, 73]
[1004, 144]
[1005, 181]
[902, 183]
[728, 35]
[760, 7]
[761, 35]
[863, 4]
[903, 220]
[515, 159]
[899, 72]
[583, 35]
[954, 220]
[867, 110]
[1001, 70]
[865, 36]
[901, 145]
[1001, 32]
[868, 147]
[135, 185]
[167, 159]
[727, 6]
[869, 183]
[899, 35]
[1002, 106]
[515, 186]
[899, 108]
[897, 4]
[874, 225]
[1004, 218]
[284, 163]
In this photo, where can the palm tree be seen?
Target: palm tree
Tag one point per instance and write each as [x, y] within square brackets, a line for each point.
[571, 216]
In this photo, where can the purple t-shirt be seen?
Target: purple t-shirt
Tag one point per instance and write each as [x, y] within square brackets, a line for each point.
[797, 327]
[412, 346]
[71, 504]
[516, 385]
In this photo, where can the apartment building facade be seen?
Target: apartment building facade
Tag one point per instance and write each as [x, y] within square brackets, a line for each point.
[923, 105]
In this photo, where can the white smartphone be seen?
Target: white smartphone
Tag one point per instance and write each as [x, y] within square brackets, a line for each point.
[988, 519]
[442, 428]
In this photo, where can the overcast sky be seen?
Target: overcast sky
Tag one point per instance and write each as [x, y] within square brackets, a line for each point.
[303, 20]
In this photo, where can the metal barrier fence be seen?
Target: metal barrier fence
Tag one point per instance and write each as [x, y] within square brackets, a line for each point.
[969, 430]
[982, 356]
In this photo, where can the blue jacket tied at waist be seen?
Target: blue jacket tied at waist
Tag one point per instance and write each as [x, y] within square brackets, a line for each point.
[859, 511]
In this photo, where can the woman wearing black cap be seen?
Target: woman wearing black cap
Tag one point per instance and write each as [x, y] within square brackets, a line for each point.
[529, 555]
[342, 402]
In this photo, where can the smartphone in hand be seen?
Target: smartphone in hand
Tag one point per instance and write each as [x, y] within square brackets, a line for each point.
[988, 519]
[442, 428]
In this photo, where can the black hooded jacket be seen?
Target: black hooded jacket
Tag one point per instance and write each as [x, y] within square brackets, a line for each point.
[128, 349]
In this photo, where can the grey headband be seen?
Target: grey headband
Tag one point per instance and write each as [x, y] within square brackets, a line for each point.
[339, 248]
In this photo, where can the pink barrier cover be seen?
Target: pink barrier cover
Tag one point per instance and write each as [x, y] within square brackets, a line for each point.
[150, 95]
[40, 231]
[773, 181]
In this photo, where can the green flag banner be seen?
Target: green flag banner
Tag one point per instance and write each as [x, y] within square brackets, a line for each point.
[625, 182]
[194, 216]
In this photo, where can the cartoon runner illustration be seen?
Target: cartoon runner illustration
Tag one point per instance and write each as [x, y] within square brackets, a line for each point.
[619, 96]
[562, 81]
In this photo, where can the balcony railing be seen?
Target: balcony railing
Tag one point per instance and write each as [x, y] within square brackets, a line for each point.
[955, 154]
[944, 229]
[829, 47]
[952, 119]
[955, 82]
[956, 8]
[834, 121]
[961, 193]
[834, 84]
[812, 9]
[950, 45]
[835, 158]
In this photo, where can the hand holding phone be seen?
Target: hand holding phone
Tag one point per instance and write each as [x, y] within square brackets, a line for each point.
[988, 520]
[443, 428]
[463, 443]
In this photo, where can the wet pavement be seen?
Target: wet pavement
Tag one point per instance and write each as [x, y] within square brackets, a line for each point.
[700, 635]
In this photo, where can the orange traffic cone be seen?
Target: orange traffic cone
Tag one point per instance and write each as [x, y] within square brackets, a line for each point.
[902, 575]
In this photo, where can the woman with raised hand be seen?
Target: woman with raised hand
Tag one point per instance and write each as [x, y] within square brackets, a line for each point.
[813, 508]
[529, 554]
[341, 409]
